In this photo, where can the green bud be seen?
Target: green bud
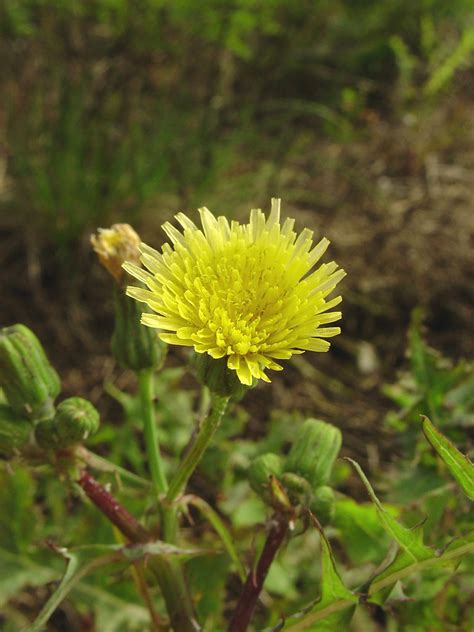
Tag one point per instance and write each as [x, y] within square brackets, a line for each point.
[135, 346]
[323, 504]
[260, 471]
[298, 488]
[74, 421]
[217, 376]
[14, 431]
[28, 380]
[314, 451]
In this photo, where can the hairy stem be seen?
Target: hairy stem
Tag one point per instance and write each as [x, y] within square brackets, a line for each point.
[112, 509]
[187, 466]
[146, 387]
[256, 577]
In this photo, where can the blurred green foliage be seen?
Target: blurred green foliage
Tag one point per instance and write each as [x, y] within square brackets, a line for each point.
[113, 105]
[417, 487]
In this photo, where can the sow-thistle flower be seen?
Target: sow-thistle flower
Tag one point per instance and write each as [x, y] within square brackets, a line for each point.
[115, 245]
[249, 293]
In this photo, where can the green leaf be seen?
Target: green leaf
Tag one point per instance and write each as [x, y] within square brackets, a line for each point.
[410, 540]
[19, 572]
[459, 465]
[403, 565]
[83, 560]
[220, 528]
[365, 540]
[79, 564]
[112, 614]
[336, 605]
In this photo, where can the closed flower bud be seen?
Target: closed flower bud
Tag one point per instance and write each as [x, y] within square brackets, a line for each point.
[323, 504]
[314, 451]
[260, 471]
[216, 375]
[74, 421]
[298, 488]
[115, 245]
[28, 380]
[14, 431]
[135, 347]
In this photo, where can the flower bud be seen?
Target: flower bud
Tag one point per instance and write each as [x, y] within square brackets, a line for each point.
[134, 346]
[28, 380]
[115, 245]
[260, 471]
[323, 504]
[14, 431]
[74, 421]
[217, 376]
[298, 488]
[314, 451]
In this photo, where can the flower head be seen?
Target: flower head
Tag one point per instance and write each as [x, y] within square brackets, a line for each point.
[115, 245]
[248, 292]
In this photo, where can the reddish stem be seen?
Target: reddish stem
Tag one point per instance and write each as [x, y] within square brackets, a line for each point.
[256, 578]
[110, 507]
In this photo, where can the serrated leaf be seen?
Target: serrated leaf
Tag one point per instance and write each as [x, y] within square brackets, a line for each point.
[85, 559]
[336, 605]
[459, 465]
[112, 614]
[410, 540]
[79, 564]
[19, 572]
[365, 540]
[403, 565]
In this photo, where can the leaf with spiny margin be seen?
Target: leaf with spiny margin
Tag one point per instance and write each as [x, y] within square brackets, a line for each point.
[459, 465]
[410, 540]
[403, 565]
[336, 605]
[83, 560]
[111, 612]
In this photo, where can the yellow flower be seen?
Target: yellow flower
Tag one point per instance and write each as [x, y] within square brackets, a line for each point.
[246, 292]
[115, 245]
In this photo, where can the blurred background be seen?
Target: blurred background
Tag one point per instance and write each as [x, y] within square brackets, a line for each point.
[359, 115]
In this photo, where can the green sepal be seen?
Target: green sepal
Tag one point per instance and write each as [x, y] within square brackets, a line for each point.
[314, 451]
[75, 420]
[217, 376]
[260, 471]
[323, 504]
[28, 380]
[135, 346]
[297, 487]
[15, 431]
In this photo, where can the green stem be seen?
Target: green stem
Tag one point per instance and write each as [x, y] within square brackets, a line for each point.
[178, 602]
[187, 466]
[146, 387]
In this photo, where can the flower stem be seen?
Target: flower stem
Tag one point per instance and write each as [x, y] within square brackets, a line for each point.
[192, 458]
[146, 387]
[256, 577]
[112, 509]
